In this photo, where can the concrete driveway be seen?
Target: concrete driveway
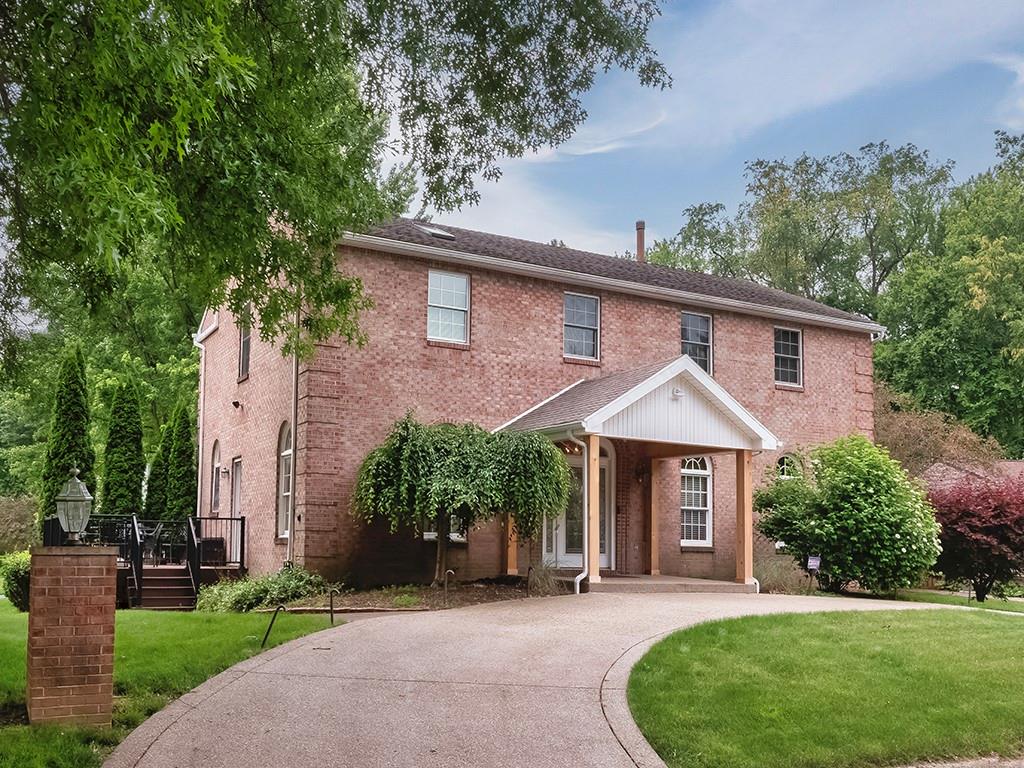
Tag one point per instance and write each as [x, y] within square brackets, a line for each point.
[536, 682]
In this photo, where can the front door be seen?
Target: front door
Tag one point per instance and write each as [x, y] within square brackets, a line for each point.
[563, 536]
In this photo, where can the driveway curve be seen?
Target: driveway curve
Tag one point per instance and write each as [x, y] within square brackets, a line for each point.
[536, 682]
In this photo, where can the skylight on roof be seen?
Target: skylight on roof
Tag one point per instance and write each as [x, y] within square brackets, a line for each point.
[436, 231]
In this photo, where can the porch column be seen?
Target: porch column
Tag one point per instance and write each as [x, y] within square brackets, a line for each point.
[653, 518]
[511, 548]
[744, 518]
[594, 508]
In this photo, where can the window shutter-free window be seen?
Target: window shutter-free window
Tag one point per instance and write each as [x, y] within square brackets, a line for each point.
[696, 338]
[448, 307]
[284, 480]
[788, 356]
[244, 344]
[582, 321]
[695, 502]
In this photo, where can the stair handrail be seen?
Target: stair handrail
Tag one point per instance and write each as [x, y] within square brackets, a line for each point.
[137, 541]
[193, 552]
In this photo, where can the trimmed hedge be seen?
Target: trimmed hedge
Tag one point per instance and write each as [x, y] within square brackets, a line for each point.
[260, 591]
[14, 575]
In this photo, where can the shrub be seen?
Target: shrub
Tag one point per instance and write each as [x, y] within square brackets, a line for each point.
[181, 467]
[124, 463]
[859, 511]
[156, 481]
[17, 523]
[273, 589]
[982, 533]
[14, 575]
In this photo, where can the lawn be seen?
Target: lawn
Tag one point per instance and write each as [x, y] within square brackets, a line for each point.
[834, 689]
[946, 598]
[157, 656]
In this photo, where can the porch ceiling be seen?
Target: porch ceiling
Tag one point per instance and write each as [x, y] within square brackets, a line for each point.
[672, 402]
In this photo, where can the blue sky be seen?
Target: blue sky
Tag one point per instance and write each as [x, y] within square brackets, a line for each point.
[765, 80]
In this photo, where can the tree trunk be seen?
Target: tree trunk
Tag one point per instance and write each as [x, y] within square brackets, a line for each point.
[981, 588]
[441, 564]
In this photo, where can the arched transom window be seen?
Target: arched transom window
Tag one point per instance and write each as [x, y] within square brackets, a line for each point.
[788, 466]
[284, 479]
[695, 503]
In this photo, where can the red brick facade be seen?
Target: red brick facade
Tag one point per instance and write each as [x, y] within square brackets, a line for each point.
[72, 592]
[349, 396]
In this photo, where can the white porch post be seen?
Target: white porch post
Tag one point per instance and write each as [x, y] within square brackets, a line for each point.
[744, 518]
[593, 491]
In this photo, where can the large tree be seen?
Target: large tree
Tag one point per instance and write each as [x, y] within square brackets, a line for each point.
[156, 480]
[955, 315]
[124, 463]
[228, 143]
[69, 445]
[834, 228]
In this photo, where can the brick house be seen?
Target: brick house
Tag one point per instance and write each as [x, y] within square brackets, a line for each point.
[671, 392]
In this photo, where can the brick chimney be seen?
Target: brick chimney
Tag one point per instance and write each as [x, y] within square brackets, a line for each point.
[641, 253]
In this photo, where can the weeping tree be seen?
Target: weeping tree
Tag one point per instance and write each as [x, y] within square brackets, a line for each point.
[124, 463]
[443, 473]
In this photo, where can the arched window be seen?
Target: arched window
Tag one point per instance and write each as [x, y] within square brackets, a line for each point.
[284, 479]
[788, 466]
[695, 503]
[215, 477]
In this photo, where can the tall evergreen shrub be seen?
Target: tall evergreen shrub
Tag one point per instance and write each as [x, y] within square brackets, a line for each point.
[181, 467]
[124, 463]
[156, 483]
[68, 445]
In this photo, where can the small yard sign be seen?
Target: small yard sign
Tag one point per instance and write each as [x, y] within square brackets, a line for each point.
[814, 563]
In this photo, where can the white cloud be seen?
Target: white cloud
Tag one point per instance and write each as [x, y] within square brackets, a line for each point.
[1010, 111]
[746, 64]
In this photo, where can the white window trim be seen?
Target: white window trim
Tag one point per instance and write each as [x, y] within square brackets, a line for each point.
[711, 338]
[454, 536]
[215, 478]
[709, 474]
[566, 325]
[236, 470]
[284, 534]
[779, 467]
[799, 383]
[467, 310]
[244, 339]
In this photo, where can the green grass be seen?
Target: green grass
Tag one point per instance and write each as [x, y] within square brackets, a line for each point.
[834, 689]
[157, 656]
[945, 598]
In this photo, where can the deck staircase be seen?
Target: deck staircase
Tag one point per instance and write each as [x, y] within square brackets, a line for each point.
[167, 588]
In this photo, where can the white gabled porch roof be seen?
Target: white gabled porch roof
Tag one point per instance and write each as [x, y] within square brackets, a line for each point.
[673, 402]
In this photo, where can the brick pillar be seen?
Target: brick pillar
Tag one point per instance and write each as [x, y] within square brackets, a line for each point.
[71, 635]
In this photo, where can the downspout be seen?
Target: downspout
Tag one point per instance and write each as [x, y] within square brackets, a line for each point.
[295, 437]
[585, 573]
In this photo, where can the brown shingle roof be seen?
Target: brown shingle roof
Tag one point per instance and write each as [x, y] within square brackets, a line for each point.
[584, 262]
[585, 398]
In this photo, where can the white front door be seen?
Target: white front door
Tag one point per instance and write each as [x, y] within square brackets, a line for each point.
[563, 536]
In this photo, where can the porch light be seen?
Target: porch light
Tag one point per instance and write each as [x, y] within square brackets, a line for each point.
[74, 504]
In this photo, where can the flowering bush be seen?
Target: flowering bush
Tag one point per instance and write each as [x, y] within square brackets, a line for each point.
[859, 511]
[982, 533]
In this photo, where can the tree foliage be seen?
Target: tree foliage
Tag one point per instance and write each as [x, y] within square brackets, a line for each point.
[181, 467]
[918, 438]
[156, 481]
[955, 316]
[982, 533]
[69, 445]
[228, 144]
[859, 511]
[446, 472]
[834, 229]
[124, 463]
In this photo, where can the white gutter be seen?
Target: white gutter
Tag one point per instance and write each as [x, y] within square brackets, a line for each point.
[416, 250]
[585, 573]
[197, 341]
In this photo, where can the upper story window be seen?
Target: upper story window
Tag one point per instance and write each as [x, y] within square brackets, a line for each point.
[695, 503]
[215, 477]
[581, 326]
[789, 357]
[244, 343]
[448, 307]
[284, 479]
[696, 336]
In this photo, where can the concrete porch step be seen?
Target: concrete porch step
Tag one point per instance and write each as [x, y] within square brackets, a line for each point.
[668, 584]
